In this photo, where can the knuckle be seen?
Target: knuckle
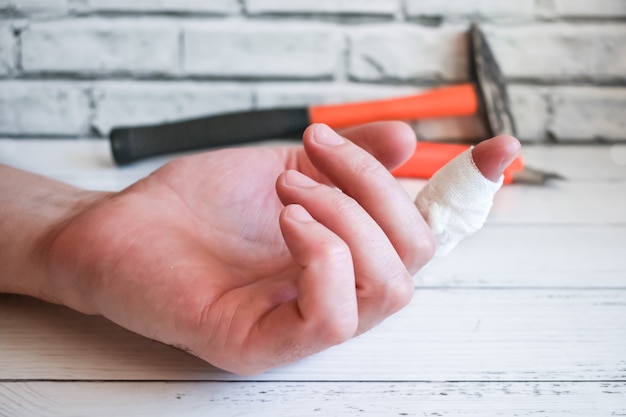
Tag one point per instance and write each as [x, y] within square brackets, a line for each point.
[366, 167]
[334, 252]
[426, 248]
[347, 206]
[419, 252]
[388, 295]
[334, 329]
[399, 292]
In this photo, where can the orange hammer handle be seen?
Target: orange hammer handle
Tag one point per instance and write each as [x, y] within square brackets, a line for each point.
[429, 157]
[458, 100]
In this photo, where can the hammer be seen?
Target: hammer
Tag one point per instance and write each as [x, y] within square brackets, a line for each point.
[486, 97]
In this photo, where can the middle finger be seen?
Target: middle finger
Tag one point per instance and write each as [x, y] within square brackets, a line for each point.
[383, 284]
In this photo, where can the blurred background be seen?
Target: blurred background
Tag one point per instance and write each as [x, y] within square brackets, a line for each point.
[76, 68]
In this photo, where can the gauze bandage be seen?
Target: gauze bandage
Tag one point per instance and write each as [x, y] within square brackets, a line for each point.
[456, 201]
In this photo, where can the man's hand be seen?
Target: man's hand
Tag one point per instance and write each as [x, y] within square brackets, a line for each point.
[249, 258]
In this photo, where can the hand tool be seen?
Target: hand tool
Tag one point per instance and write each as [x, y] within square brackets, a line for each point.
[486, 96]
[429, 157]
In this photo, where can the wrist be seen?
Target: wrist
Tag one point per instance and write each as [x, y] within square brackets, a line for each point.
[33, 211]
[62, 277]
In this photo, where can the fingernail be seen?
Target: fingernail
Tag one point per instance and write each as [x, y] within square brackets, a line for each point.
[298, 213]
[326, 136]
[296, 179]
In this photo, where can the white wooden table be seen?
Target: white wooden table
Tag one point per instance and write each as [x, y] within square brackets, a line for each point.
[528, 317]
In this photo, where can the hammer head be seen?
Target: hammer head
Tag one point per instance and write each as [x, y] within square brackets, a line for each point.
[490, 86]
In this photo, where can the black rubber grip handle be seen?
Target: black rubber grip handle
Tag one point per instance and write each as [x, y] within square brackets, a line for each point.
[130, 144]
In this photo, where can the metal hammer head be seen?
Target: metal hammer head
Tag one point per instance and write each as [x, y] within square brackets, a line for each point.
[490, 86]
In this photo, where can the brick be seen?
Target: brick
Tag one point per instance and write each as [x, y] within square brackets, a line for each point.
[386, 52]
[561, 51]
[261, 50]
[323, 6]
[37, 6]
[529, 105]
[43, 108]
[7, 49]
[159, 6]
[135, 103]
[583, 8]
[585, 113]
[101, 47]
[465, 8]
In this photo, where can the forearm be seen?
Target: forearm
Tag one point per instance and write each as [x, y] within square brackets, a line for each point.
[32, 209]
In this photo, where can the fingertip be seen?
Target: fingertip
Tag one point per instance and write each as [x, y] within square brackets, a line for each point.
[322, 134]
[390, 142]
[297, 213]
[511, 143]
[494, 155]
[406, 141]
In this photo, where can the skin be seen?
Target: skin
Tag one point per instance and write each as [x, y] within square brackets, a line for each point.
[248, 258]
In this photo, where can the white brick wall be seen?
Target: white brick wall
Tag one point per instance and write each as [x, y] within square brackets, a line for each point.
[323, 6]
[585, 112]
[157, 6]
[100, 46]
[128, 102]
[595, 52]
[585, 8]
[236, 48]
[7, 50]
[43, 108]
[80, 67]
[408, 52]
[476, 8]
[34, 6]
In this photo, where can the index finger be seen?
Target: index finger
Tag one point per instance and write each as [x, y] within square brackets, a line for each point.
[361, 176]
[391, 143]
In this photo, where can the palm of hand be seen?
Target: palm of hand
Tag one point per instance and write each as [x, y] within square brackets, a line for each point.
[197, 240]
[203, 255]
[226, 202]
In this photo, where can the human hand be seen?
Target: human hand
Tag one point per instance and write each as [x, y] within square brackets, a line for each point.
[204, 255]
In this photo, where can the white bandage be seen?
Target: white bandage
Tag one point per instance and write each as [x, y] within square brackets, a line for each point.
[456, 201]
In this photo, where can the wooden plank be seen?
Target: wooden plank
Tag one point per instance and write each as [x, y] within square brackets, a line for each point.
[601, 203]
[443, 335]
[534, 256]
[260, 399]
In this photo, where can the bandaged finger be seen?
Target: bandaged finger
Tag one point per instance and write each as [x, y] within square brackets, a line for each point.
[456, 201]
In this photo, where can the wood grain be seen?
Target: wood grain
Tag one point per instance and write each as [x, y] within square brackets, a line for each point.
[455, 334]
[260, 399]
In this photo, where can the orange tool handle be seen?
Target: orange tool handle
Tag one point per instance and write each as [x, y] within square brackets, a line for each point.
[429, 157]
[458, 100]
